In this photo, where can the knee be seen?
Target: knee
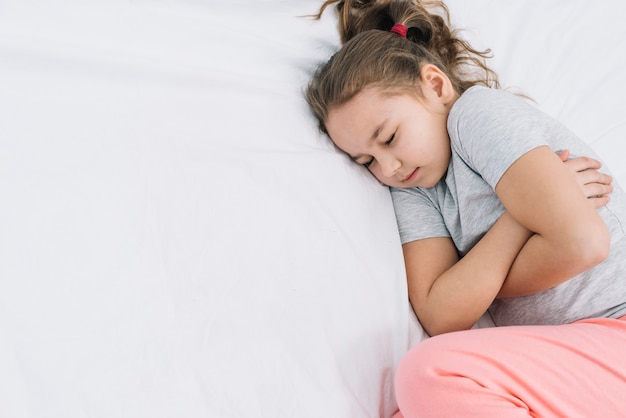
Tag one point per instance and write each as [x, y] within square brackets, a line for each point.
[415, 369]
[421, 374]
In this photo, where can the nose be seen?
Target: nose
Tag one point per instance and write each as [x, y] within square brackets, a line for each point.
[389, 166]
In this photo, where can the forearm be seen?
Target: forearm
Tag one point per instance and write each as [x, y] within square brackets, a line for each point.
[459, 297]
[544, 263]
[570, 237]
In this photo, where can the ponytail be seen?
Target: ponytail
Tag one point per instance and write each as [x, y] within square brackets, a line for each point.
[428, 24]
[373, 56]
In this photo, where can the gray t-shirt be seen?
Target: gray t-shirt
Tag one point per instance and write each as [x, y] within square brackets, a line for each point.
[489, 130]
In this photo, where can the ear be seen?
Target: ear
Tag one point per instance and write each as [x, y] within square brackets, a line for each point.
[434, 81]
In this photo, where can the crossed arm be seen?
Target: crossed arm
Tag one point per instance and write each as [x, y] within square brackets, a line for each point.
[550, 232]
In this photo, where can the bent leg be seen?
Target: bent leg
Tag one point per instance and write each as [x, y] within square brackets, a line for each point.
[573, 370]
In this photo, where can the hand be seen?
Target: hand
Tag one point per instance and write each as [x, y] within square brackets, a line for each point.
[595, 185]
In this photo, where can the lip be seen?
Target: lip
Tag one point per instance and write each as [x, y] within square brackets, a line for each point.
[411, 176]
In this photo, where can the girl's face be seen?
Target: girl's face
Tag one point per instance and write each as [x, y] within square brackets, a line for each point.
[401, 139]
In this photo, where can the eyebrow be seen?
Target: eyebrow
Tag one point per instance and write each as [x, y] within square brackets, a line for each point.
[375, 135]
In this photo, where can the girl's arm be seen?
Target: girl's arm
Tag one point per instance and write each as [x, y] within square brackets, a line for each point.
[448, 294]
[543, 195]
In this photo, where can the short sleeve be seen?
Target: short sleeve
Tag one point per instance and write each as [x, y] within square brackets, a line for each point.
[418, 215]
[490, 129]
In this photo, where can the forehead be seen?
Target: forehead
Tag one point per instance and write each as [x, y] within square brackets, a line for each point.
[357, 118]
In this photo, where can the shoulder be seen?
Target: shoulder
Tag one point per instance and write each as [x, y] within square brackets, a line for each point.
[489, 129]
[401, 196]
[416, 201]
[418, 213]
[485, 103]
[482, 112]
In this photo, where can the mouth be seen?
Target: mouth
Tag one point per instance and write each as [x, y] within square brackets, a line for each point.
[411, 176]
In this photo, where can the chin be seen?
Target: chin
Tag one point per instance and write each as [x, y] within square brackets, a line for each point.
[427, 185]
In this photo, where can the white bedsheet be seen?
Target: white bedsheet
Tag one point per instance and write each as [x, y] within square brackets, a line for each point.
[177, 240]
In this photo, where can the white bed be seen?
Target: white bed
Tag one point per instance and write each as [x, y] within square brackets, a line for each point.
[177, 240]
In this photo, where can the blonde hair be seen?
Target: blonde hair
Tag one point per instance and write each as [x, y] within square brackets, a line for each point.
[372, 56]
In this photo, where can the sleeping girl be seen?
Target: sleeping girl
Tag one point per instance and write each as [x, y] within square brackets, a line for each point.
[494, 217]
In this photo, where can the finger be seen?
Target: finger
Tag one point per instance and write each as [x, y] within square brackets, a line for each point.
[583, 163]
[593, 176]
[563, 155]
[595, 190]
[598, 202]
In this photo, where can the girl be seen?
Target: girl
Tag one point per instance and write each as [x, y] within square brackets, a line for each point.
[490, 218]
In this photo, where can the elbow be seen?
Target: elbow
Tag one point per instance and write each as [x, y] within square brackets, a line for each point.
[600, 248]
[438, 329]
[443, 324]
[442, 330]
[591, 247]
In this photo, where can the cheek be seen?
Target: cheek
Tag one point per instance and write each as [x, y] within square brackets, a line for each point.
[379, 176]
[375, 171]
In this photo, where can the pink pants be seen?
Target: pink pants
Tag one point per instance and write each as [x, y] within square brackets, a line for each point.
[573, 370]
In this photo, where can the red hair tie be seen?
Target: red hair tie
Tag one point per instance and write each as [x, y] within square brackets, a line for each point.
[400, 29]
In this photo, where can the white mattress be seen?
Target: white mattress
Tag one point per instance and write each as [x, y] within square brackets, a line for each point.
[177, 240]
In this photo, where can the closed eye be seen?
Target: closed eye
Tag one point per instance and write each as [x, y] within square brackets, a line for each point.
[388, 142]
